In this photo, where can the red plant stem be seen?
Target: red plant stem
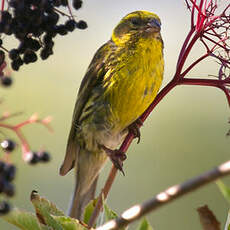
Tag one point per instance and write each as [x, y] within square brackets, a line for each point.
[194, 63]
[185, 44]
[17, 131]
[18, 126]
[216, 43]
[192, 16]
[201, 82]
[185, 55]
[3, 4]
[103, 195]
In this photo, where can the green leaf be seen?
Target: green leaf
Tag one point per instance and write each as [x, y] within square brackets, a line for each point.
[23, 220]
[144, 225]
[89, 210]
[68, 223]
[224, 190]
[109, 213]
[39, 202]
[44, 211]
[227, 224]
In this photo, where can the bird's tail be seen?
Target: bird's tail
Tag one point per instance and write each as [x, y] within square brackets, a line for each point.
[88, 165]
[79, 201]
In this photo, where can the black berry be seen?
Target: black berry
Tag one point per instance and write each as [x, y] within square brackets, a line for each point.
[9, 189]
[77, 4]
[44, 156]
[70, 25]
[6, 81]
[4, 207]
[29, 57]
[13, 54]
[9, 172]
[81, 25]
[34, 159]
[8, 145]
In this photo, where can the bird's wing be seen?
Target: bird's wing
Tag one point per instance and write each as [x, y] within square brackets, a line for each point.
[94, 76]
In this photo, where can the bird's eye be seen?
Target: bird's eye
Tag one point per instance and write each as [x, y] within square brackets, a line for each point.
[136, 21]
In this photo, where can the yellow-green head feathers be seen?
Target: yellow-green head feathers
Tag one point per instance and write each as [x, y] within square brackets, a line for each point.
[136, 24]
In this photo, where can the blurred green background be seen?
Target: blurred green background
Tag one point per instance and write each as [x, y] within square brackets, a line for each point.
[183, 137]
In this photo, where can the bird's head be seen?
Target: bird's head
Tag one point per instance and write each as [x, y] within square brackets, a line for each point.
[138, 24]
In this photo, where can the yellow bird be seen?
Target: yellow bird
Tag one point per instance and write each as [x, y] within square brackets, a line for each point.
[120, 83]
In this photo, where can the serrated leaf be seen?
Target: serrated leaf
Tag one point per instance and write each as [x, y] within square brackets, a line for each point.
[44, 211]
[224, 190]
[68, 223]
[23, 220]
[144, 225]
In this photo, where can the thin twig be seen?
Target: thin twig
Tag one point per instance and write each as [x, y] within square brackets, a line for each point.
[103, 195]
[166, 197]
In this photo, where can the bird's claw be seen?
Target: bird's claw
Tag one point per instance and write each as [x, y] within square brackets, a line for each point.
[134, 128]
[117, 157]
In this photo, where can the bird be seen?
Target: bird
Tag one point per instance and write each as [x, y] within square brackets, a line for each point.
[120, 83]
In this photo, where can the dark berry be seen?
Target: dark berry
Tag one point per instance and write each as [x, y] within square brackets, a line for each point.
[13, 54]
[22, 47]
[47, 38]
[45, 53]
[14, 3]
[6, 81]
[9, 189]
[29, 57]
[44, 157]
[57, 3]
[8, 145]
[34, 159]
[9, 172]
[2, 57]
[53, 18]
[4, 207]
[2, 184]
[2, 166]
[49, 46]
[5, 16]
[61, 29]
[0, 42]
[70, 25]
[77, 4]
[81, 25]
[14, 65]
[35, 45]
[64, 2]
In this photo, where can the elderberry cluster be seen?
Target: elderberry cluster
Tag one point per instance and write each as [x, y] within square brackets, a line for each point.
[35, 24]
[7, 175]
[36, 157]
[8, 171]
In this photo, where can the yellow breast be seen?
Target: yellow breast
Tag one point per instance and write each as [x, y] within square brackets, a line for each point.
[134, 82]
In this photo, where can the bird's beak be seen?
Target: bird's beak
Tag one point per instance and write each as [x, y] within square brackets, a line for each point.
[154, 25]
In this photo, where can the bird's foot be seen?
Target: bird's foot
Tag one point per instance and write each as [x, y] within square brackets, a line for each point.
[117, 157]
[134, 128]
